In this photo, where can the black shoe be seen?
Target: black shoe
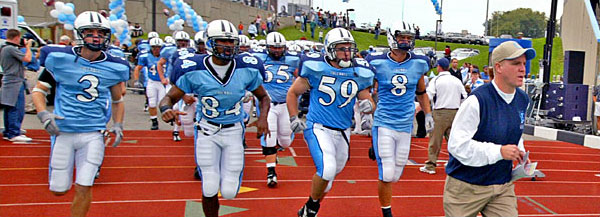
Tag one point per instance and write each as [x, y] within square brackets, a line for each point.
[271, 177]
[154, 124]
[197, 174]
[176, 137]
[306, 212]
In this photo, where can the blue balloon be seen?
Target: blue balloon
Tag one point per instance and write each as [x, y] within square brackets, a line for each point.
[112, 17]
[71, 5]
[62, 17]
[20, 19]
[177, 17]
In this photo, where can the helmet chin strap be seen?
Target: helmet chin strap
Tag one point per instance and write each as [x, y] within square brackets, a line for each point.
[344, 63]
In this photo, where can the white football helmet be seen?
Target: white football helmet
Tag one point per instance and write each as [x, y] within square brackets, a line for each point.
[169, 39]
[92, 20]
[222, 30]
[276, 40]
[400, 28]
[199, 37]
[156, 42]
[339, 36]
[152, 35]
[181, 35]
[245, 43]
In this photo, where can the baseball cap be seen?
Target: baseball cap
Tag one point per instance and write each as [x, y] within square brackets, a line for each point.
[509, 50]
[444, 63]
[475, 70]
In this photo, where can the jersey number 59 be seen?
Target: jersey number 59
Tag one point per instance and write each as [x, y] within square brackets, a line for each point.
[348, 90]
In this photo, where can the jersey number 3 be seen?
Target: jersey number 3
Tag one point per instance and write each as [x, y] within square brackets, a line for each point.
[92, 90]
[348, 90]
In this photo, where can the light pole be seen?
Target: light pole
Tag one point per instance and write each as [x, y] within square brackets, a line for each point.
[487, 24]
[437, 23]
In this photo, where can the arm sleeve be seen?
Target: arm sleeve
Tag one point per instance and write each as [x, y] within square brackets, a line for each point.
[431, 88]
[461, 144]
[255, 82]
[47, 77]
[184, 84]
[142, 60]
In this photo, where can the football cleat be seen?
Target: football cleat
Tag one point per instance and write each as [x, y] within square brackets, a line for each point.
[176, 137]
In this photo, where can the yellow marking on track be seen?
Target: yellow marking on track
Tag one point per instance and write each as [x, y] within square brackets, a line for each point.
[244, 190]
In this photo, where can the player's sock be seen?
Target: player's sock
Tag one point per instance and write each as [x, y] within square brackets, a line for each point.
[210, 206]
[271, 175]
[387, 211]
[313, 205]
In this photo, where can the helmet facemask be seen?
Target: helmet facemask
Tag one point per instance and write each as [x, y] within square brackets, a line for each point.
[406, 42]
[347, 53]
[276, 51]
[103, 40]
[222, 51]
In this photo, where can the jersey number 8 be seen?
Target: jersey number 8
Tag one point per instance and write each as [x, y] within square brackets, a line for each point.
[348, 90]
[399, 82]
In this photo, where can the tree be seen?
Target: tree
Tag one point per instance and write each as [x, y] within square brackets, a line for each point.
[531, 23]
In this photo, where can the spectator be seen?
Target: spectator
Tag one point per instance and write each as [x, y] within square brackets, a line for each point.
[269, 23]
[475, 81]
[64, 40]
[263, 28]
[597, 107]
[241, 28]
[519, 35]
[252, 30]
[417, 32]
[257, 21]
[377, 27]
[486, 140]
[447, 52]
[321, 35]
[447, 94]
[31, 75]
[454, 71]
[313, 26]
[485, 74]
[13, 85]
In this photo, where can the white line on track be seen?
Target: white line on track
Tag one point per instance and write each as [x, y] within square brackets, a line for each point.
[293, 180]
[274, 198]
[293, 152]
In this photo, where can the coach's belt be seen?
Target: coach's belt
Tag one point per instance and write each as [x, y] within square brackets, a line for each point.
[277, 103]
[222, 126]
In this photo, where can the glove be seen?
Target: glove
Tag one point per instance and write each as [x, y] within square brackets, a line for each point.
[372, 153]
[138, 84]
[117, 129]
[366, 122]
[365, 106]
[296, 124]
[429, 123]
[49, 122]
[247, 97]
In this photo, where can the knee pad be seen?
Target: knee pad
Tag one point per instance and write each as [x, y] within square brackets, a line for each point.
[210, 184]
[269, 150]
[285, 140]
[60, 180]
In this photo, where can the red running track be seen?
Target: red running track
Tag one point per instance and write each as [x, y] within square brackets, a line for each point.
[150, 175]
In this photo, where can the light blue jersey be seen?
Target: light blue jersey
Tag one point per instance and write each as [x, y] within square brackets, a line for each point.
[166, 52]
[149, 61]
[220, 100]
[115, 51]
[397, 85]
[279, 74]
[333, 91]
[83, 94]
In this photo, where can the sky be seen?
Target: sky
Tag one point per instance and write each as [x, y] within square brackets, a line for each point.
[457, 15]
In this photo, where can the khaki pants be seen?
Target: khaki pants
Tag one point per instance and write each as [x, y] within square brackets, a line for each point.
[32, 79]
[464, 199]
[443, 122]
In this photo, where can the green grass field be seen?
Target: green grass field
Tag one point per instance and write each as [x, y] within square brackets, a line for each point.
[364, 39]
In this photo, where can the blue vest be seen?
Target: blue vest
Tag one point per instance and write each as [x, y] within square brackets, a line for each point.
[500, 123]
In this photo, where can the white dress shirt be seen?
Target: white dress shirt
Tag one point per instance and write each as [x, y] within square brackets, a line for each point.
[461, 144]
[448, 90]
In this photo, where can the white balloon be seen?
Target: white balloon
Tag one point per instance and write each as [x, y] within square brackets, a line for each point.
[188, 16]
[172, 27]
[124, 17]
[59, 5]
[54, 13]
[68, 27]
[67, 10]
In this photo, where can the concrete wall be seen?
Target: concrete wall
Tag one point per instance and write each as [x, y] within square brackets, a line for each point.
[578, 35]
[140, 11]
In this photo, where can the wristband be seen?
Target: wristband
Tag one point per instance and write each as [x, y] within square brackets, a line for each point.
[164, 108]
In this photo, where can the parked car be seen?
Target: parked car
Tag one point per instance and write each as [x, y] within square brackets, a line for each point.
[486, 39]
[474, 39]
